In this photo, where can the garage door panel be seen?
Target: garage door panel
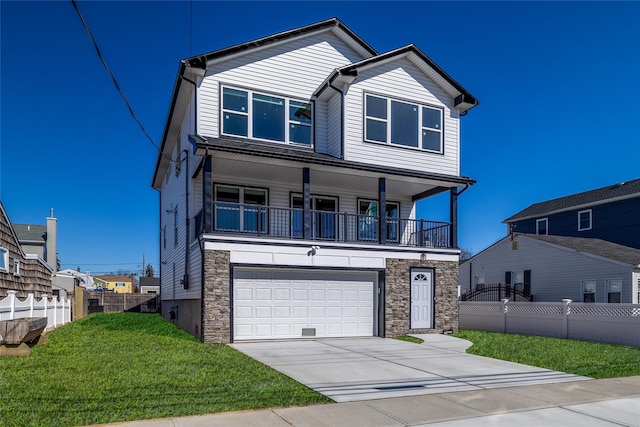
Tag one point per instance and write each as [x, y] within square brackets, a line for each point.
[271, 303]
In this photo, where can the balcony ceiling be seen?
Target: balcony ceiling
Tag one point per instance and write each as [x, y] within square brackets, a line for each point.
[234, 167]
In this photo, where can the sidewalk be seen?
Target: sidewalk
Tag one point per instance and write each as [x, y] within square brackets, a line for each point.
[608, 402]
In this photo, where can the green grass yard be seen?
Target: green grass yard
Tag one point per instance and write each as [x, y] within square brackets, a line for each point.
[125, 366]
[575, 357]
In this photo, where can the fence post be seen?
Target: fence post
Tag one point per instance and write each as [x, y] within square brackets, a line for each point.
[12, 304]
[45, 299]
[566, 311]
[505, 310]
[31, 299]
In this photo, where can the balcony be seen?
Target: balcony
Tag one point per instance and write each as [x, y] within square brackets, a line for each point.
[289, 223]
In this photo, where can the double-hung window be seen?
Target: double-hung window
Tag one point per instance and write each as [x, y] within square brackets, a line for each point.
[584, 220]
[403, 123]
[4, 259]
[614, 290]
[323, 216]
[588, 291]
[255, 115]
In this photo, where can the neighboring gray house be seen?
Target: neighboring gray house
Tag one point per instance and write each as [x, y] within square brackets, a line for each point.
[289, 173]
[552, 268]
[149, 285]
[41, 240]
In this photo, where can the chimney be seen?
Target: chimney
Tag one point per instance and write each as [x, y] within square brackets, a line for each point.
[52, 242]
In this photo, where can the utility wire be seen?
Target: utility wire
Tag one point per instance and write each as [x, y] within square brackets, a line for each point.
[115, 82]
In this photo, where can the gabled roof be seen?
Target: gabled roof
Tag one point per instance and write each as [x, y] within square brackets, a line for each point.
[464, 101]
[32, 233]
[200, 61]
[598, 247]
[622, 190]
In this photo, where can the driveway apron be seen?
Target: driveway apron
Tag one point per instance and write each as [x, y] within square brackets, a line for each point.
[354, 369]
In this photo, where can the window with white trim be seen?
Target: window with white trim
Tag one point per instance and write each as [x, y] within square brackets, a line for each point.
[584, 220]
[403, 123]
[542, 226]
[588, 290]
[255, 115]
[478, 282]
[16, 267]
[614, 290]
[4, 259]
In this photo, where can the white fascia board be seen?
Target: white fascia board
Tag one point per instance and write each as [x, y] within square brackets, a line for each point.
[40, 260]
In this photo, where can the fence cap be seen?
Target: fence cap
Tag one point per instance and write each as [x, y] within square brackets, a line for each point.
[567, 300]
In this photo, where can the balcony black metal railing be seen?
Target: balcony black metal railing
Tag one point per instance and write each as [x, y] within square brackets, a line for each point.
[288, 223]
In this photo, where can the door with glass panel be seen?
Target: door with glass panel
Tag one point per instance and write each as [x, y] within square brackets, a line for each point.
[368, 220]
[323, 217]
[240, 209]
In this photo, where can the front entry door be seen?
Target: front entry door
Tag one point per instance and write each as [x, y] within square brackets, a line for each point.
[421, 298]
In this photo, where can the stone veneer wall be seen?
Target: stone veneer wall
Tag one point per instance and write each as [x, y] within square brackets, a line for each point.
[398, 296]
[216, 302]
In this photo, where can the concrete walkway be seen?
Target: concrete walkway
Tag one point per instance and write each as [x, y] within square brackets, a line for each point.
[354, 369]
[393, 383]
[610, 402]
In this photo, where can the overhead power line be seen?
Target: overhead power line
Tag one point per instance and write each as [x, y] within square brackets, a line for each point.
[115, 82]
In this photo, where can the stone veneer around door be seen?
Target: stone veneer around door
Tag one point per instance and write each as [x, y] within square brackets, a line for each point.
[398, 296]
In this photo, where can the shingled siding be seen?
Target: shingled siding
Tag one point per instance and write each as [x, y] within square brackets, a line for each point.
[398, 296]
[216, 313]
[34, 277]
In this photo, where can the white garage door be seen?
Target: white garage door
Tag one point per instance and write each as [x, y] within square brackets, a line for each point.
[272, 304]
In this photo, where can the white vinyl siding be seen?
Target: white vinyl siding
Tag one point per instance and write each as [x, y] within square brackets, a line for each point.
[335, 125]
[403, 81]
[293, 69]
[556, 273]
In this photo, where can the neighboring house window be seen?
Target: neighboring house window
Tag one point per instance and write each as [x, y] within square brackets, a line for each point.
[16, 267]
[120, 284]
[240, 209]
[542, 226]
[518, 280]
[4, 259]
[323, 216]
[478, 282]
[175, 226]
[588, 291]
[261, 116]
[614, 290]
[403, 123]
[368, 220]
[584, 220]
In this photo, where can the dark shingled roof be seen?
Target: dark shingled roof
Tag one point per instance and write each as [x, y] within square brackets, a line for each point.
[30, 232]
[149, 281]
[598, 247]
[599, 195]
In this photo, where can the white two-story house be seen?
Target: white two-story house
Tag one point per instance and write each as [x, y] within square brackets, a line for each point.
[289, 173]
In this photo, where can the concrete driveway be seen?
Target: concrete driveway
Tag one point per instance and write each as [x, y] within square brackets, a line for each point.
[353, 369]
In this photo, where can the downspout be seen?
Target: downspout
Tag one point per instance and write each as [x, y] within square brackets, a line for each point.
[185, 277]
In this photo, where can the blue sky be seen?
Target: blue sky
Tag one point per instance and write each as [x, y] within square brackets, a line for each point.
[558, 85]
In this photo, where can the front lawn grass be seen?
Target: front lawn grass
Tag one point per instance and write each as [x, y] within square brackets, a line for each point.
[409, 338]
[116, 367]
[575, 357]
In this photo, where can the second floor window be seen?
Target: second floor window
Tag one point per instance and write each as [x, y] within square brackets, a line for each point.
[261, 116]
[403, 123]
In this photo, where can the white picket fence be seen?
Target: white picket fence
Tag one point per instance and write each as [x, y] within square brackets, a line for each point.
[57, 312]
[606, 323]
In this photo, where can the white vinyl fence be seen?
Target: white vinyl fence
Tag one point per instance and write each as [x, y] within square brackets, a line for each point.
[606, 323]
[57, 312]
